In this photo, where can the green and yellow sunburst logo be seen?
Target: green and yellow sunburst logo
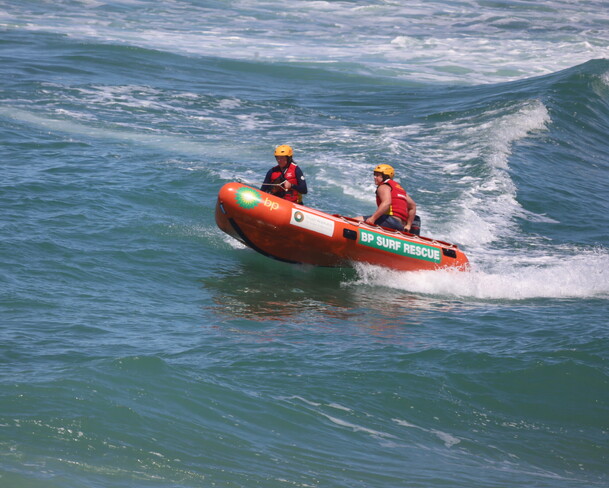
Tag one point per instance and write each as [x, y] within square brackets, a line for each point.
[247, 198]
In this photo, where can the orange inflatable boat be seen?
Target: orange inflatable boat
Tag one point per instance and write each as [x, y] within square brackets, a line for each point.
[294, 233]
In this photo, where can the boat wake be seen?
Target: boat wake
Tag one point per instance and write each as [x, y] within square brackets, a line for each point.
[584, 275]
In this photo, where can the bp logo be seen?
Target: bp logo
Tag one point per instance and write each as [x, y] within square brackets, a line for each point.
[298, 216]
[247, 198]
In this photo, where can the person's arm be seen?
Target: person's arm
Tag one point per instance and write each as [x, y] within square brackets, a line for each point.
[412, 211]
[267, 179]
[384, 193]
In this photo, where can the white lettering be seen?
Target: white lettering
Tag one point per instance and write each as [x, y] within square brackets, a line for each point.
[388, 243]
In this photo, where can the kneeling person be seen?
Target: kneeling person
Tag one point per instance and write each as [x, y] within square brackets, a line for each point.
[286, 179]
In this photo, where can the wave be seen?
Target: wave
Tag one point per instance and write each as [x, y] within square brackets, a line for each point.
[463, 45]
[512, 172]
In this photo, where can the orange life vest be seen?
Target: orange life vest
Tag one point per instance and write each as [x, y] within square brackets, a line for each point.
[399, 204]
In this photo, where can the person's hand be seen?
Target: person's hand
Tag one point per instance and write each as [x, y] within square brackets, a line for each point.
[369, 221]
[286, 185]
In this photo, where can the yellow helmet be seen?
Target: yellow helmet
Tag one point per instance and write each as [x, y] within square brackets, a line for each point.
[284, 150]
[385, 169]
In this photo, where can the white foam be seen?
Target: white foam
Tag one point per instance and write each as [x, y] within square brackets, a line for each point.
[409, 40]
[485, 203]
[356, 428]
[448, 439]
[165, 142]
[571, 274]
[490, 205]
[229, 103]
[339, 407]
[304, 400]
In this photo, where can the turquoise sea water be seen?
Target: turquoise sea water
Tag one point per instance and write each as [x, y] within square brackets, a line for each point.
[142, 347]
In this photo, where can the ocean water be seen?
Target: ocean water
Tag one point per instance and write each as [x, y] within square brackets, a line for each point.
[141, 347]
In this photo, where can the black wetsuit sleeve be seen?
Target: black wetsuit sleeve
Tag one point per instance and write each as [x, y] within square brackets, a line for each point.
[267, 179]
[301, 187]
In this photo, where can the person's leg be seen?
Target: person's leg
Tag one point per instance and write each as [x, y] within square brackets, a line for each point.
[390, 221]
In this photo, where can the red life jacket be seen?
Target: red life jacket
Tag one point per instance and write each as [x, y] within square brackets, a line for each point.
[289, 174]
[399, 205]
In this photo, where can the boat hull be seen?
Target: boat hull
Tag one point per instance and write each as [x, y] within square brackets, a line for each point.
[294, 233]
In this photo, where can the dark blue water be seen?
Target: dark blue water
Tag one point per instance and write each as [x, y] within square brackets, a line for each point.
[142, 347]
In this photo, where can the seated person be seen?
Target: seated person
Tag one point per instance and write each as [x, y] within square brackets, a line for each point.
[395, 208]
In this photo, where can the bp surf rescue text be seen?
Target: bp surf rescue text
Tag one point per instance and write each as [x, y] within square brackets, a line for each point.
[399, 247]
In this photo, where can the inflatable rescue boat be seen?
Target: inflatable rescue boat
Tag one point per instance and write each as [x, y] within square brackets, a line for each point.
[294, 233]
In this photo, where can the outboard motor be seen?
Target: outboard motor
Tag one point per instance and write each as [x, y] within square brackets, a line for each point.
[415, 228]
